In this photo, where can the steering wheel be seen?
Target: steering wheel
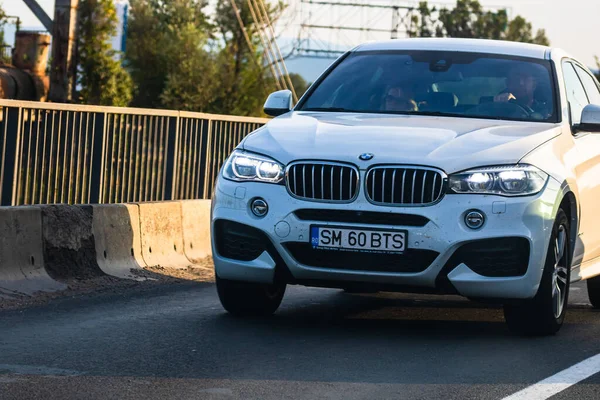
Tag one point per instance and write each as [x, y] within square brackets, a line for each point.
[507, 110]
[524, 107]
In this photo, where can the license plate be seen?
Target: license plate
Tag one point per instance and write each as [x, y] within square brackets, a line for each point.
[358, 239]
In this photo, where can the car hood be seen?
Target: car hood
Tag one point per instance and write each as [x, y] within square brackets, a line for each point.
[452, 144]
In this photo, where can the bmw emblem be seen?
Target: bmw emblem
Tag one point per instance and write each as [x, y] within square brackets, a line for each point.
[366, 156]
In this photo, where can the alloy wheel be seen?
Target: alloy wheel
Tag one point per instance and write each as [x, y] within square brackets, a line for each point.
[559, 274]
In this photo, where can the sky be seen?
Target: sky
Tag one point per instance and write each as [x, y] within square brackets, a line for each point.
[29, 21]
[573, 25]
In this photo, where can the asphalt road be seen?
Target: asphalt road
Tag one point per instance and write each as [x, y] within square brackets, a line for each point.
[175, 342]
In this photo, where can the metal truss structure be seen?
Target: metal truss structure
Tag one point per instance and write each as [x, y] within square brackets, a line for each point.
[330, 27]
[327, 28]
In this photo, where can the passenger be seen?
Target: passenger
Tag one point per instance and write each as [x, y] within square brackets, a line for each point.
[399, 98]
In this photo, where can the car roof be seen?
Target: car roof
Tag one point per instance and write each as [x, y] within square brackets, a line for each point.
[465, 45]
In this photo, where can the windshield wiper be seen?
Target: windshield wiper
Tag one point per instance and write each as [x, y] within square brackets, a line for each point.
[436, 114]
[330, 109]
[341, 109]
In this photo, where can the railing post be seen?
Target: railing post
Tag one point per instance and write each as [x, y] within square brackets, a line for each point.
[209, 157]
[8, 167]
[170, 182]
[97, 159]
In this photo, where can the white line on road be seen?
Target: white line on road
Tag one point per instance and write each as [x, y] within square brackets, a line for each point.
[559, 382]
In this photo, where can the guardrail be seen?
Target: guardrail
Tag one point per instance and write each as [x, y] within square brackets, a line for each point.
[72, 154]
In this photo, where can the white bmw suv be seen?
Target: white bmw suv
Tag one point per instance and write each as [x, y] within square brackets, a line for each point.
[453, 166]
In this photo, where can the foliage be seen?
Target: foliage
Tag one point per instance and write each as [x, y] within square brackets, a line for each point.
[300, 84]
[3, 22]
[519, 30]
[426, 25]
[245, 78]
[102, 79]
[182, 59]
[598, 65]
[166, 44]
[469, 20]
[191, 76]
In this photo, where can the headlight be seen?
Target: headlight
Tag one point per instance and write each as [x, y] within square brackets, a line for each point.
[510, 180]
[242, 166]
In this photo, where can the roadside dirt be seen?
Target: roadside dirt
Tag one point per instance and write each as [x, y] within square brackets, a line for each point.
[200, 272]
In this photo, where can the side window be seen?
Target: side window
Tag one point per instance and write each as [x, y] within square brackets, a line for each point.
[575, 93]
[589, 84]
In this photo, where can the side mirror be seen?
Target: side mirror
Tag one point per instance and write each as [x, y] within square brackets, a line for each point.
[278, 103]
[590, 118]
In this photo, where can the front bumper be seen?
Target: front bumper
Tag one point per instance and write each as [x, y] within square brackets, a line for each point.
[528, 219]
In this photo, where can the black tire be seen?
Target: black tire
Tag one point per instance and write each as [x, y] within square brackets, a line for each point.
[545, 313]
[593, 287]
[244, 298]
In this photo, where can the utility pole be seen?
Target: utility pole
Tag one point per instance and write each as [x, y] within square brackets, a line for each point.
[63, 71]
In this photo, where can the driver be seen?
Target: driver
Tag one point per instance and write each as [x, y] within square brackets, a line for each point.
[520, 89]
[399, 98]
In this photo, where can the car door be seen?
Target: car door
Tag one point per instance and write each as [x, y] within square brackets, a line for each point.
[588, 167]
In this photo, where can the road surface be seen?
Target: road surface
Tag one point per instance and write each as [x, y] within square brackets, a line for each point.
[175, 342]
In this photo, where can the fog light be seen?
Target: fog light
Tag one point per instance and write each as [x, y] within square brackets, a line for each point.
[259, 207]
[474, 219]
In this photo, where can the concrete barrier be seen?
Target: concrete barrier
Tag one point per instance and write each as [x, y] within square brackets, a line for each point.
[116, 229]
[44, 245]
[21, 252]
[68, 242]
[195, 219]
[162, 235]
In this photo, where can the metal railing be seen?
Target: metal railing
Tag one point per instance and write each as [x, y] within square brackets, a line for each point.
[57, 153]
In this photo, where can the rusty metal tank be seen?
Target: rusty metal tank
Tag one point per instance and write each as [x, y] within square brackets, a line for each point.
[17, 84]
[26, 79]
[31, 51]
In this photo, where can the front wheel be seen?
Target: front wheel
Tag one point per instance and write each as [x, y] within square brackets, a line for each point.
[545, 313]
[593, 287]
[244, 298]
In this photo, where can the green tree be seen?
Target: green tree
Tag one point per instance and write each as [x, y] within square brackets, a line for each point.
[240, 67]
[598, 65]
[244, 73]
[168, 45]
[3, 22]
[102, 79]
[468, 19]
[181, 59]
[191, 82]
[519, 30]
[300, 84]
[423, 20]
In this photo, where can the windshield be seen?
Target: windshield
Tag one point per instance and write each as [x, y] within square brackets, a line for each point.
[438, 83]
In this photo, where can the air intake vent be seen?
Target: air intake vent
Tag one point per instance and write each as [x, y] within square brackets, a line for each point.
[412, 186]
[411, 261]
[323, 182]
[498, 257]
